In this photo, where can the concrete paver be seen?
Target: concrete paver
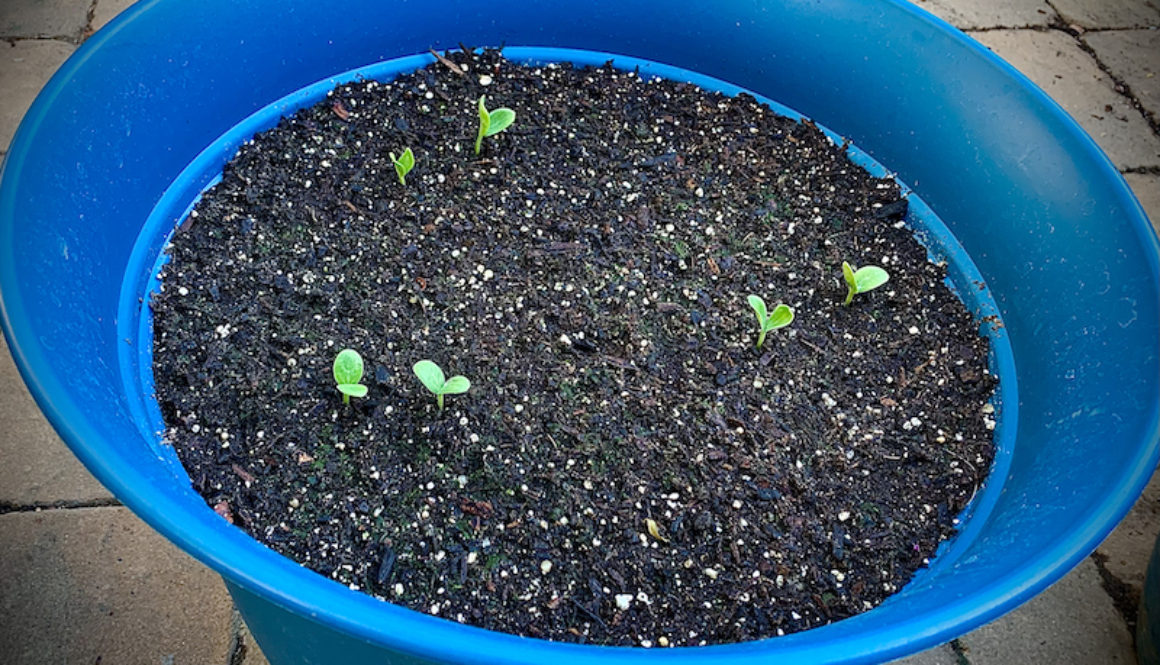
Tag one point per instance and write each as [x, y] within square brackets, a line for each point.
[1055, 62]
[30, 19]
[25, 66]
[1146, 187]
[36, 468]
[105, 10]
[1129, 547]
[990, 13]
[1073, 622]
[96, 585]
[1109, 13]
[1133, 56]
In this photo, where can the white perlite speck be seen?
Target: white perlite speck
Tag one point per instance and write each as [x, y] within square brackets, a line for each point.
[623, 601]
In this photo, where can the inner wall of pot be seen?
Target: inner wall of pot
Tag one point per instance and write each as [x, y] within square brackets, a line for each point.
[148, 256]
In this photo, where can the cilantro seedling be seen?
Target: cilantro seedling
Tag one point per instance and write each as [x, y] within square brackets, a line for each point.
[403, 165]
[492, 122]
[348, 371]
[431, 375]
[862, 279]
[781, 317]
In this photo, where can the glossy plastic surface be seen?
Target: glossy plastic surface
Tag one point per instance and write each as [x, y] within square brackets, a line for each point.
[1065, 249]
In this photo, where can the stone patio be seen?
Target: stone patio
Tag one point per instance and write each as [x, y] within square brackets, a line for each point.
[82, 580]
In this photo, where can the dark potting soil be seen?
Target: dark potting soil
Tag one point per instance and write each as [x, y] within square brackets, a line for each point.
[627, 467]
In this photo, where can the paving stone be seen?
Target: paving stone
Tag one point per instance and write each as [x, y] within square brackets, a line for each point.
[25, 66]
[36, 468]
[96, 585]
[1056, 63]
[1109, 13]
[105, 10]
[1072, 623]
[1146, 187]
[1133, 56]
[940, 655]
[1129, 546]
[27, 19]
[990, 13]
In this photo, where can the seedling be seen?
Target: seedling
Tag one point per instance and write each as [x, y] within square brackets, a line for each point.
[431, 375]
[781, 317]
[348, 371]
[862, 279]
[403, 165]
[492, 122]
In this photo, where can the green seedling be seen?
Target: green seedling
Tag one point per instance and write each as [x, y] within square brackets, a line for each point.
[432, 377]
[781, 317]
[492, 122]
[862, 279]
[403, 165]
[348, 371]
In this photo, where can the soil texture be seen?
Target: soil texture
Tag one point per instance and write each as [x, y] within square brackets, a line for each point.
[627, 467]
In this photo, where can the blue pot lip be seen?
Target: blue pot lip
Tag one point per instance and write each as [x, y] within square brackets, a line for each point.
[269, 575]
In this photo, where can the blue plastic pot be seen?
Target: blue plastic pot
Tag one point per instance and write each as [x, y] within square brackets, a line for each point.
[1065, 249]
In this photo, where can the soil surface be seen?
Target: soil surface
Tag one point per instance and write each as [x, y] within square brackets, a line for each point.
[627, 468]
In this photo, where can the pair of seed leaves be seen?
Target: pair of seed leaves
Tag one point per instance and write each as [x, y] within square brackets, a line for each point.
[781, 317]
[861, 280]
[492, 122]
[403, 165]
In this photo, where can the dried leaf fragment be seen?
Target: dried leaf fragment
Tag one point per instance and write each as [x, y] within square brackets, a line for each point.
[654, 530]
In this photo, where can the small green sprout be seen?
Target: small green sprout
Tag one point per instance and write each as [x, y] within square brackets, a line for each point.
[492, 122]
[862, 279]
[781, 317]
[432, 377]
[403, 165]
[348, 371]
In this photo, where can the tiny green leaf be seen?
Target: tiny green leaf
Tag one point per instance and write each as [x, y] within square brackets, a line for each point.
[484, 123]
[782, 316]
[348, 366]
[870, 277]
[353, 389]
[501, 119]
[758, 306]
[431, 375]
[348, 371]
[403, 165]
[456, 385]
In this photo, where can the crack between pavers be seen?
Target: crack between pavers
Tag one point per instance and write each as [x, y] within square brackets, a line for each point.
[1077, 33]
[960, 652]
[1146, 170]
[993, 28]
[1120, 86]
[87, 31]
[13, 41]
[6, 508]
[237, 650]
[1125, 599]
